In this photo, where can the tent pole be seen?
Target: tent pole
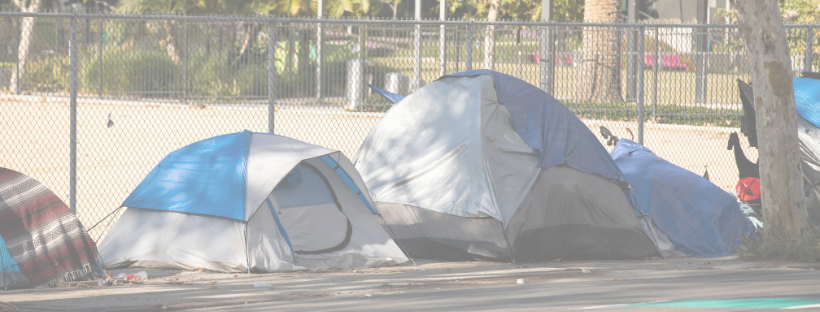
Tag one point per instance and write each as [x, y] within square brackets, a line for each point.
[3, 272]
[397, 241]
[651, 232]
[247, 256]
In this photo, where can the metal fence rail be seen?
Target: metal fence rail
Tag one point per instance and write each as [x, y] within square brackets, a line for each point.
[91, 102]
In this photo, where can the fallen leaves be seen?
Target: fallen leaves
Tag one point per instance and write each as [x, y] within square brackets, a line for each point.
[176, 281]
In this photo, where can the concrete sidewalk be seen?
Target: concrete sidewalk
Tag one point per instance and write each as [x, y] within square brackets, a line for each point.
[172, 290]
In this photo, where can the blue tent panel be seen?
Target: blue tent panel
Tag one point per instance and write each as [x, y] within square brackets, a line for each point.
[807, 99]
[390, 96]
[7, 263]
[281, 228]
[207, 177]
[550, 127]
[701, 219]
[348, 181]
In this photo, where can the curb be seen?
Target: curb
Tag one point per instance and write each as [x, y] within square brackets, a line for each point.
[185, 305]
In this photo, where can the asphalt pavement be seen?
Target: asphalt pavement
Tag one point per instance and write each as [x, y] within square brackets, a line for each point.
[681, 284]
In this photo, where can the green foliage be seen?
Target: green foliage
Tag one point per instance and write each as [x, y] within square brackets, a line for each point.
[567, 11]
[665, 114]
[800, 11]
[141, 71]
[193, 6]
[523, 10]
[333, 8]
[211, 75]
[774, 247]
[47, 69]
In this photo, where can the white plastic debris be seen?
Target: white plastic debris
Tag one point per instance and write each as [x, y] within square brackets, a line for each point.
[142, 275]
[585, 271]
[368, 295]
[389, 259]
[519, 281]
[261, 285]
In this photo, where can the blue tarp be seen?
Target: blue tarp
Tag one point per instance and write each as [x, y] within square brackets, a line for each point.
[207, 177]
[807, 99]
[7, 263]
[550, 127]
[390, 96]
[701, 219]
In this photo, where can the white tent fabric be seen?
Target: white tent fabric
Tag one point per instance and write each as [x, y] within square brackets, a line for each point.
[458, 157]
[267, 249]
[270, 158]
[483, 165]
[306, 215]
[158, 239]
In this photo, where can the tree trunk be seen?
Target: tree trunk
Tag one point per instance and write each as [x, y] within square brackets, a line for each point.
[598, 78]
[231, 42]
[251, 31]
[172, 45]
[489, 38]
[18, 76]
[781, 177]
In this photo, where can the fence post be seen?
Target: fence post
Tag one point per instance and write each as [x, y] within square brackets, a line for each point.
[639, 84]
[363, 70]
[442, 43]
[457, 40]
[416, 84]
[808, 55]
[631, 78]
[17, 87]
[655, 66]
[319, 43]
[546, 54]
[631, 51]
[271, 75]
[72, 64]
[99, 61]
[184, 62]
[468, 51]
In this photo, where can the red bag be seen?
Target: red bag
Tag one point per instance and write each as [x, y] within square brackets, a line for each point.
[748, 189]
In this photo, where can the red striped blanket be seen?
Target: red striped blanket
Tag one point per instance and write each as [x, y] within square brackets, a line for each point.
[48, 242]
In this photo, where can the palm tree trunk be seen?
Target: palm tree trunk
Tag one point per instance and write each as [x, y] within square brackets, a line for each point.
[251, 31]
[489, 38]
[598, 78]
[24, 46]
[172, 44]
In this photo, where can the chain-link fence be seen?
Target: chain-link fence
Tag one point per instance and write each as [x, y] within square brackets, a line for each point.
[91, 103]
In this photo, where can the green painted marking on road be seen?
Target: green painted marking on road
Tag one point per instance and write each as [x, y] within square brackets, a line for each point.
[748, 303]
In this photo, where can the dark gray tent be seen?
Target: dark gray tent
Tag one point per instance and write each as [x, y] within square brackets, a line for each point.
[483, 165]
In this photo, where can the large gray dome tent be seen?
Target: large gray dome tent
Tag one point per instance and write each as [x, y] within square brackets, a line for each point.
[482, 165]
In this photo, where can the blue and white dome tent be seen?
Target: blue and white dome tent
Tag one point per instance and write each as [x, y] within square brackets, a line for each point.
[250, 202]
